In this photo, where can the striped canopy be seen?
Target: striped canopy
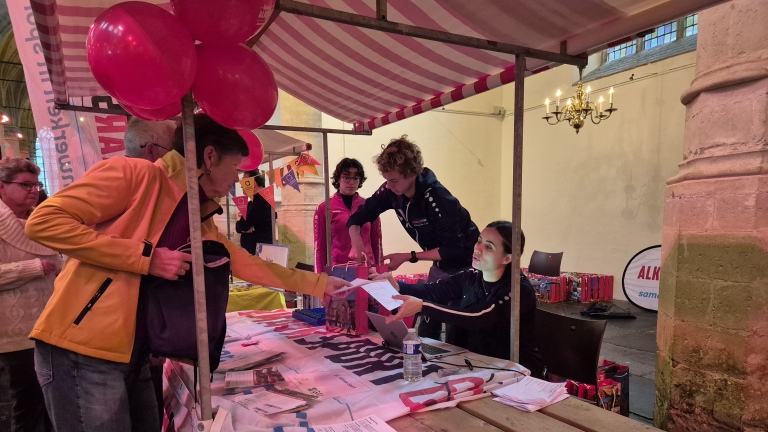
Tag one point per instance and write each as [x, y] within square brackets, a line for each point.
[371, 78]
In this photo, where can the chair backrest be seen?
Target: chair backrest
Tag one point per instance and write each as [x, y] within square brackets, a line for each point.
[570, 347]
[545, 263]
[304, 266]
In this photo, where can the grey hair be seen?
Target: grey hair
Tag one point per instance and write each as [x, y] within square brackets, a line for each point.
[11, 167]
[140, 132]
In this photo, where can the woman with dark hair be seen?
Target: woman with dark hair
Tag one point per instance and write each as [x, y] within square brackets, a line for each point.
[348, 177]
[90, 347]
[484, 295]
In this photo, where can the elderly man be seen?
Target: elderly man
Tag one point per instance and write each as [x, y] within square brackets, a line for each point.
[148, 140]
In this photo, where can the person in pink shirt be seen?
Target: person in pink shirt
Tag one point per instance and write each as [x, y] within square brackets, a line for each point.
[348, 177]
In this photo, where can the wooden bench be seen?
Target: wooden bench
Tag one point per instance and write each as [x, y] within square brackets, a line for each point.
[485, 415]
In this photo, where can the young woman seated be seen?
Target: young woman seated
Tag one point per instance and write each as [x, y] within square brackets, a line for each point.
[484, 294]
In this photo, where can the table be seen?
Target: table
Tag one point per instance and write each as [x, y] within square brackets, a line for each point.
[367, 379]
[485, 415]
[244, 297]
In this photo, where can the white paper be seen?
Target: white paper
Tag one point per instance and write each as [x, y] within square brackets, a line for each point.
[368, 424]
[329, 384]
[530, 394]
[265, 402]
[355, 284]
[383, 291]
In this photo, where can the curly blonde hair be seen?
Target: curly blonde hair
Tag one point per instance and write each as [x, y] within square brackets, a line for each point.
[11, 167]
[402, 156]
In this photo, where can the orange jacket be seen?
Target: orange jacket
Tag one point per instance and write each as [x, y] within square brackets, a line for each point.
[107, 222]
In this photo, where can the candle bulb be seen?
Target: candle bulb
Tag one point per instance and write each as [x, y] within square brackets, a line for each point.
[610, 96]
[569, 102]
[557, 95]
[589, 90]
[600, 104]
[546, 102]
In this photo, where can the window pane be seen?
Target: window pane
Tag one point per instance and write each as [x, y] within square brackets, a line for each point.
[620, 51]
[662, 34]
[691, 24]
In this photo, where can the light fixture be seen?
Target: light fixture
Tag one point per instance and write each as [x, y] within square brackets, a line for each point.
[576, 111]
[20, 135]
[4, 118]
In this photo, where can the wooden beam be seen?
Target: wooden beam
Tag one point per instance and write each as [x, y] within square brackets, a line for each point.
[305, 9]
[517, 196]
[381, 10]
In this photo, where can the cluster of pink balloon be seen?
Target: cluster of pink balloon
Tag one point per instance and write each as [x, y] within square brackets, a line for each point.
[147, 59]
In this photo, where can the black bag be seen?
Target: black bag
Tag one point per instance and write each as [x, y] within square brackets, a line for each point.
[170, 308]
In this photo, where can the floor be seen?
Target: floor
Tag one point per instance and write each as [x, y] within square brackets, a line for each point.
[630, 342]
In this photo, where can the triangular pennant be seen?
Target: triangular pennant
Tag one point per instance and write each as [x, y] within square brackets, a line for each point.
[249, 186]
[242, 205]
[307, 159]
[268, 193]
[291, 180]
[276, 177]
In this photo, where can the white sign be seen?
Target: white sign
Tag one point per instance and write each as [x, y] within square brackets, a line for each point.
[641, 278]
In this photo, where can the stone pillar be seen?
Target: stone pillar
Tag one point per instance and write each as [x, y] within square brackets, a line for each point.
[712, 363]
[296, 214]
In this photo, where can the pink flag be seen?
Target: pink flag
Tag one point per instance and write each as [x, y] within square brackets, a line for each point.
[242, 204]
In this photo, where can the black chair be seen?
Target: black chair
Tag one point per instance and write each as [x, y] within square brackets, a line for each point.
[545, 263]
[304, 266]
[570, 347]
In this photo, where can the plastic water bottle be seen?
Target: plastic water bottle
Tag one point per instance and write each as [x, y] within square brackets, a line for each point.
[412, 357]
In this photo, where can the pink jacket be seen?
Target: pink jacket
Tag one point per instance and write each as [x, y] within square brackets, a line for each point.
[340, 242]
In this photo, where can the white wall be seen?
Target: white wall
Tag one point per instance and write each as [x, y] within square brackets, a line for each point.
[599, 196]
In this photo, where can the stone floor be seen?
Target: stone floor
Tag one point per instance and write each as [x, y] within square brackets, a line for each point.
[630, 342]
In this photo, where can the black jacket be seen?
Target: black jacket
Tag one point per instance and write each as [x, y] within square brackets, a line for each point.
[259, 218]
[433, 218]
[483, 314]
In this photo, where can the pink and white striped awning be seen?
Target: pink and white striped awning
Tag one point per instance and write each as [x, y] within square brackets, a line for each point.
[370, 78]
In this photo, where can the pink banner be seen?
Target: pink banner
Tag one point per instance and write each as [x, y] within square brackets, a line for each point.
[242, 204]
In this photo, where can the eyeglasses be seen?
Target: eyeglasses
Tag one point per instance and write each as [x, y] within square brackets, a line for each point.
[154, 144]
[27, 186]
[354, 179]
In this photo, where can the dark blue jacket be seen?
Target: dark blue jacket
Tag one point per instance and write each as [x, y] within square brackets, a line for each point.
[483, 316]
[433, 218]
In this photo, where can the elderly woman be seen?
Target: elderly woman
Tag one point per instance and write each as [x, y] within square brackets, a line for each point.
[122, 221]
[27, 271]
[347, 178]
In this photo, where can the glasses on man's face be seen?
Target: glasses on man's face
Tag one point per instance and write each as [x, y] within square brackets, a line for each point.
[154, 144]
[27, 186]
[350, 179]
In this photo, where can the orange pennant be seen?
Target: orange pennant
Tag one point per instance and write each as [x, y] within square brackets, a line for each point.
[268, 193]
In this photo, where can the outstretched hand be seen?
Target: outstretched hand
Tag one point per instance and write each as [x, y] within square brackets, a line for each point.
[334, 284]
[411, 306]
[396, 260]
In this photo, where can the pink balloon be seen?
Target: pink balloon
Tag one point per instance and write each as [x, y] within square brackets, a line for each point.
[223, 21]
[234, 86]
[255, 149]
[164, 113]
[141, 55]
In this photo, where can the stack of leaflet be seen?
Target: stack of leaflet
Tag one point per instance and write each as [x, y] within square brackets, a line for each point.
[531, 394]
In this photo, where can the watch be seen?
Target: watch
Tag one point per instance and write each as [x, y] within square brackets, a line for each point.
[414, 258]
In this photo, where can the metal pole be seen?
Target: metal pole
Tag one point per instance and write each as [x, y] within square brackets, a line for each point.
[272, 215]
[196, 237]
[329, 258]
[517, 193]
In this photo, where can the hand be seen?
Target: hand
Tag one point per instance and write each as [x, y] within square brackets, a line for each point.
[396, 260]
[334, 284]
[383, 276]
[250, 230]
[357, 254]
[411, 306]
[169, 264]
[48, 267]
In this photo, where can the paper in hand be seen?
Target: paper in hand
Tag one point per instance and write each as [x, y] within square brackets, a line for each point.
[354, 284]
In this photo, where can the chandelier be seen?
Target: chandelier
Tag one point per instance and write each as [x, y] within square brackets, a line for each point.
[576, 111]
